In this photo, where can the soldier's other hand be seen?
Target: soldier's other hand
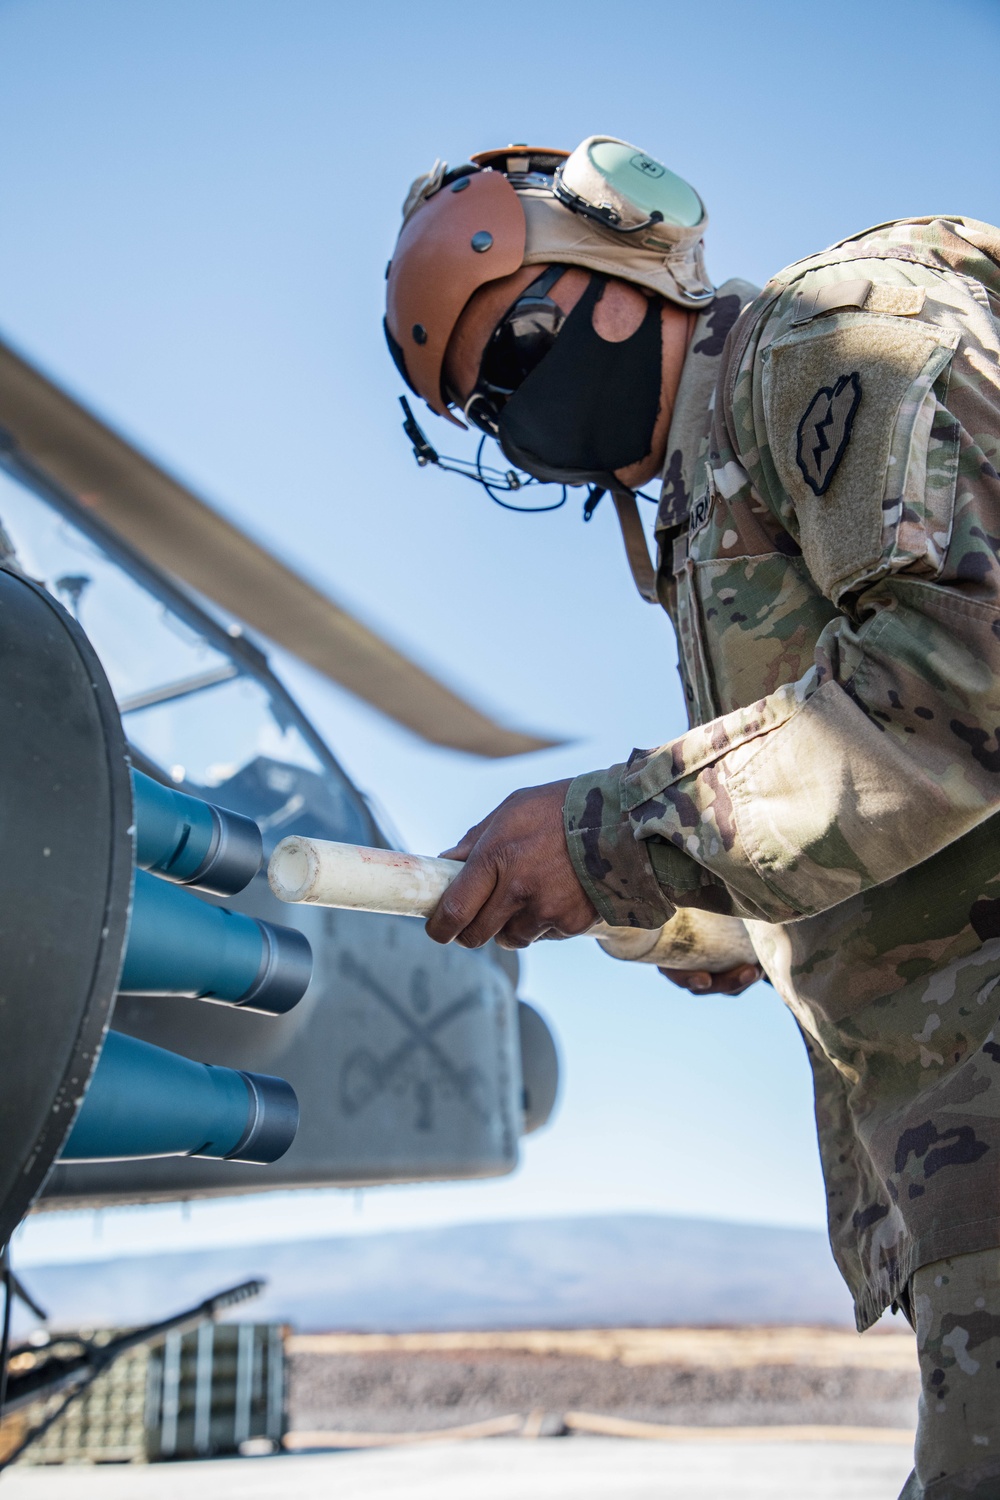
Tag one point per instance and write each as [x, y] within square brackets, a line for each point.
[518, 883]
[729, 982]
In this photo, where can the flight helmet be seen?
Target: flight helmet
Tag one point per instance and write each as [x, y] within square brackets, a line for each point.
[606, 207]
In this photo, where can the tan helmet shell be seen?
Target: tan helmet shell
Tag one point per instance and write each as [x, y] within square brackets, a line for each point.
[435, 268]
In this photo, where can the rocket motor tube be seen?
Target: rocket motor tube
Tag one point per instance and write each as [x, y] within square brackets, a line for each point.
[180, 945]
[191, 842]
[323, 873]
[144, 1101]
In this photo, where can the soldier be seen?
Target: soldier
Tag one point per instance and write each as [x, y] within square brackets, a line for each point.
[829, 552]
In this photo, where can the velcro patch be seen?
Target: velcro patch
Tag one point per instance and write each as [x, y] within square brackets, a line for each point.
[845, 384]
[899, 301]
[857, 293]
[835, 295]
[701, 509]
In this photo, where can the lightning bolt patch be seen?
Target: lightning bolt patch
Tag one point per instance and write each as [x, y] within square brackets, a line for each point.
[825, 431]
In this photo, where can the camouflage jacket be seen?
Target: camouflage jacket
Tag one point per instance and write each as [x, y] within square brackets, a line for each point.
[835, 584]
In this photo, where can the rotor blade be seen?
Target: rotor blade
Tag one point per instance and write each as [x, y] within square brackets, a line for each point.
[177, 531]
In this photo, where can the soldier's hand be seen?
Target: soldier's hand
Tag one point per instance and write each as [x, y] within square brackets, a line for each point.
[729, 982]
[518, 883]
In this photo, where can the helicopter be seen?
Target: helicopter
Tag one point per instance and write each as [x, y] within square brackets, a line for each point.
[129, 605]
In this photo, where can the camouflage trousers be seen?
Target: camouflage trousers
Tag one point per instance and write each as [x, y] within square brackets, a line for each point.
[954, 1305]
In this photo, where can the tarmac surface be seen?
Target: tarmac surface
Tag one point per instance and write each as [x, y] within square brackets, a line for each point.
[578, 1468]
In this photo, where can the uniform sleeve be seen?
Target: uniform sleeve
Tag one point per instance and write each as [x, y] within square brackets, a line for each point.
[877, 447]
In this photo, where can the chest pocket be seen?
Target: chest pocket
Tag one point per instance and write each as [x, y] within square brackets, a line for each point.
[695, 675]
[746, 626]
[760, 617]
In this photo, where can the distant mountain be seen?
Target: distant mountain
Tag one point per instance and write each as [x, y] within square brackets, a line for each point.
[629, 1270]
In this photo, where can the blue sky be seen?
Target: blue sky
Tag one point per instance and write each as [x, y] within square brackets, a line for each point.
[199, 198]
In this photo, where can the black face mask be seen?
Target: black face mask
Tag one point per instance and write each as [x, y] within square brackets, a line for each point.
[590, 406]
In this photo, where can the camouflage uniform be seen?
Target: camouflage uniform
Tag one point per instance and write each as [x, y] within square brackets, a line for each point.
[955, 1306]
[830, 554]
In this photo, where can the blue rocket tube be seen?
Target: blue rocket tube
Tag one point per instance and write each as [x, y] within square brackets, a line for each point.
[179, 945]
[145, 1101]
[192, 842]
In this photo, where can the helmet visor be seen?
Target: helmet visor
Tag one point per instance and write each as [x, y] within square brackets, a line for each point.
[518, 344]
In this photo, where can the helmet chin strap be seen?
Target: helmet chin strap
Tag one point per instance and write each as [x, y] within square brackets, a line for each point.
[636, 546]
[492, 480]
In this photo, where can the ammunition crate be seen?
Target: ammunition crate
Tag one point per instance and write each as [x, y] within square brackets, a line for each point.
[193, 1395]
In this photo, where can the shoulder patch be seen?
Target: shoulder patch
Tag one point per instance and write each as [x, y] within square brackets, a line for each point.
[825, 431]
[839, 400]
